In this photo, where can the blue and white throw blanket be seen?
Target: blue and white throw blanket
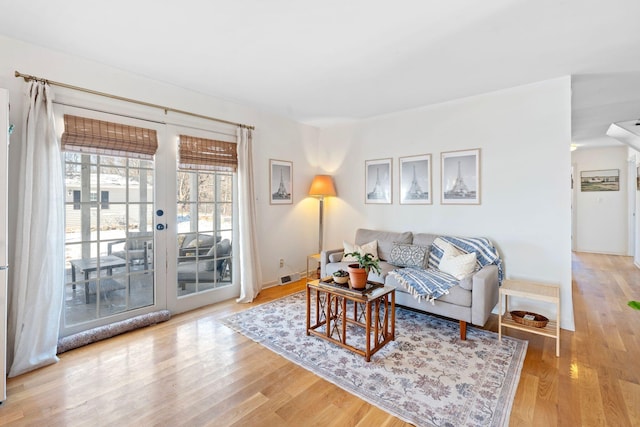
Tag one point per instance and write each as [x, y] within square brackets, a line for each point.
[486, 253]
[425, 284]
[432, 283]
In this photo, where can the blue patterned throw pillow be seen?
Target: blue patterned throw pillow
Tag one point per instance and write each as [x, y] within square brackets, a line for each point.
[407, 255]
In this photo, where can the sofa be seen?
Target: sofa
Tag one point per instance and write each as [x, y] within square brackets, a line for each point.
[471, 301]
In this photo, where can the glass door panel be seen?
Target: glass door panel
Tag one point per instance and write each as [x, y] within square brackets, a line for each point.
[109, 237]
[204, 231]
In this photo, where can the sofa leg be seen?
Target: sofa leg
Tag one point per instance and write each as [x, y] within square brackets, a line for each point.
[463, 330]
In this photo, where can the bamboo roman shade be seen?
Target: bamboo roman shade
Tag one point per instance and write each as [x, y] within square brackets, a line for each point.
[207, 154]
[92, 136]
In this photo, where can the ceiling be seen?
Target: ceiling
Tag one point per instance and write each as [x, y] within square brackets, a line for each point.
[340, 60]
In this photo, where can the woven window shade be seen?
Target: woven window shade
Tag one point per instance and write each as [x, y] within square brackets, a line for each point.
[207, 154]
[92, 136]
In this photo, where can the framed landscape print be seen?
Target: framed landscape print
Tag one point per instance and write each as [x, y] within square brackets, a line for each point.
[601, 180]
[378, 181]
[460, 183]
[280, 182]
[415, 180]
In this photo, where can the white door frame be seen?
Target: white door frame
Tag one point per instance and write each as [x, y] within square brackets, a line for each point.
[631, 205]
[574, 211]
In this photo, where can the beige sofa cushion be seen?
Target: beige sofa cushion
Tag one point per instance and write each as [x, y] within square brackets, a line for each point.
[385, 240]
[457, 295]
[424, 239]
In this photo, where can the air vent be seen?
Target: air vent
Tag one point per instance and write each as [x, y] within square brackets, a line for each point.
[293, 277]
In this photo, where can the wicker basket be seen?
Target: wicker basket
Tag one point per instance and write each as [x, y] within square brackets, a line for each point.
[539, 320]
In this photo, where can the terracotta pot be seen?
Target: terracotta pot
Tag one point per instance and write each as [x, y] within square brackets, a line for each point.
[358, 276]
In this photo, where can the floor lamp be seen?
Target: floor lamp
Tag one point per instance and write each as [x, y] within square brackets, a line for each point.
[321, 187]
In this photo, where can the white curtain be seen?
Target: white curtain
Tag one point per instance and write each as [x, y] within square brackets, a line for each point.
[36, 290]
[250, 273]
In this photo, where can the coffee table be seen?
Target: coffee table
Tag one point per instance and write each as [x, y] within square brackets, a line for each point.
[374, 311]
[88, 265]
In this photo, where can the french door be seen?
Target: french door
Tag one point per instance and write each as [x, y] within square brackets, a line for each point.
[201, 229]
[112, 253]
[140, 234]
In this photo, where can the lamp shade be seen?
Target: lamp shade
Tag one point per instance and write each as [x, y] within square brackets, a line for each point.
[322, 185]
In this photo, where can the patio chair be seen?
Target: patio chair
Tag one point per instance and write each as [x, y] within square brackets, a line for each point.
[213, 266]
[136, 248]
[196, 242]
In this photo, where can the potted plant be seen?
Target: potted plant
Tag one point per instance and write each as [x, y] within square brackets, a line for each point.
[341, 277]
[359, 272]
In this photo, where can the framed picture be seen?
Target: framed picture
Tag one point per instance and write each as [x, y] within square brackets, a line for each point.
[280, 182]
[378, 181]
[601, 180]
[415, 180]
[460, 183]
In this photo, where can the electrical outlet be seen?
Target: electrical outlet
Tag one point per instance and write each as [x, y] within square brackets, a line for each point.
[281, 262]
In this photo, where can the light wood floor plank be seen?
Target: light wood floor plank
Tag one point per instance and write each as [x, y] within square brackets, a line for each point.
[524, 404]
[591, 404]
[192, 370]
[631, 396]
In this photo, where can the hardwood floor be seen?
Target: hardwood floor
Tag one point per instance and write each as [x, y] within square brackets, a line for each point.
[193, 371]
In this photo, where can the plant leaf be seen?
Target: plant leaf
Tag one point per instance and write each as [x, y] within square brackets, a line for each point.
[634, 304]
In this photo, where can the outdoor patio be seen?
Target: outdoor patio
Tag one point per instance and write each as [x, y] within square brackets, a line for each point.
[120, 292]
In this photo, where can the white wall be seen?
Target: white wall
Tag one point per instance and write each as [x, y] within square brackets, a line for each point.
[524, 135]
[288, 232]
[634, 205]
[601, 216]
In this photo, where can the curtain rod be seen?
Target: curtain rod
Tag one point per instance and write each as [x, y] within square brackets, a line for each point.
[28, 77]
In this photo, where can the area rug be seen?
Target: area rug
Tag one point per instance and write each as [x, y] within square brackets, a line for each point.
[427, 376]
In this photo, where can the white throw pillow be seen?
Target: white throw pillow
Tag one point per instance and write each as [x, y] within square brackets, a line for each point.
[447, 248]
[367, 248]
[458, 266]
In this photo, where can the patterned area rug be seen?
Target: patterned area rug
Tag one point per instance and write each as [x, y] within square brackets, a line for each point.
[427, 376]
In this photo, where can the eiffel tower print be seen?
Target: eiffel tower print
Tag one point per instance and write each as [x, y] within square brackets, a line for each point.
[281, 193]
[460, 189]
[377, 193]
[415, 191]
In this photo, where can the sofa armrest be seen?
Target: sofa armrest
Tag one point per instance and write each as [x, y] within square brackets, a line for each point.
[324, 259]
[484, 295]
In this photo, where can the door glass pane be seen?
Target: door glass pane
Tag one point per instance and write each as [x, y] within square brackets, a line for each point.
[108, 236]
[204, 231]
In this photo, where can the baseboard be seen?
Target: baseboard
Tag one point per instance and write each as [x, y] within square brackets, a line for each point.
[272, 283]
[293, 277]
[601, 252]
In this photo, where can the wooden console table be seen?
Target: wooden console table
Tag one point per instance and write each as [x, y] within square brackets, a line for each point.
[533, 291]
[377, 307]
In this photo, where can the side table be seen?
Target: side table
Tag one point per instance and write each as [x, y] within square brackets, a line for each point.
[315, 262]
[374, 312]
[533, 291]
